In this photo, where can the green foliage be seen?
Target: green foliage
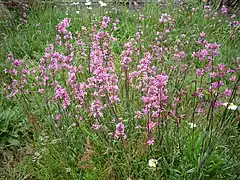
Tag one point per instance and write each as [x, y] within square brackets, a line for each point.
[12, 124]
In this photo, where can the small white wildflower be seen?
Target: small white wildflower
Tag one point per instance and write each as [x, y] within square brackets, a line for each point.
[78, 12]
[88, 3]
[37, 154]
[90, 8]
[153, 163]
[225, 104]
[192, 125]
[102, 4]
[46, 137]
[231, 106]
[36, 157]
[68, 170]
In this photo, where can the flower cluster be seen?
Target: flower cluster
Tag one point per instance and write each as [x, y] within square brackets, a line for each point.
[61, 27]
[155, 99]
[80, 77]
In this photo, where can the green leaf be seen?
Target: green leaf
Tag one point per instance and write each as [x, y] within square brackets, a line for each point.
[14, 142]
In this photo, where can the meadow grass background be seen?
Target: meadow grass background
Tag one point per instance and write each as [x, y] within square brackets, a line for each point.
[79, 153]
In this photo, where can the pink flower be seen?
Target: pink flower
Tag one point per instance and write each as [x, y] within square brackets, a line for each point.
[96, 109]
[166, 18]
[224, 9]
[227, 92]
[119, 132]
[5, 71]
[106, 19]
[202, 35]
[58, 116]
[221, 67]
[96, 126]
[200, 72]
[41, 91]
[105, 22]
[232, 78]
[217, 84]
[179, 56]
[200, 110]
[16, 63]
[183, 36]
[14, 72]
[217, 104]
[61, 94]
[151, 125]
[150, 141]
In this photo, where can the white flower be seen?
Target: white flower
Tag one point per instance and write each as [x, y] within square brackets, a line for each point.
[231, 106]
[75, 3]
[36, 157]
[153, 163]
[102, 4]
[225, 104]
[192, 125]
[68, 170]
[78, 12]
[90, 8]
[88, 3]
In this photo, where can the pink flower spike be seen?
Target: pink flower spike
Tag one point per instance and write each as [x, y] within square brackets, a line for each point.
[120, 131]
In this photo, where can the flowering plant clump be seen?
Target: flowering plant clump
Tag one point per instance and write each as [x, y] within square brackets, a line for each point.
[131, 98]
